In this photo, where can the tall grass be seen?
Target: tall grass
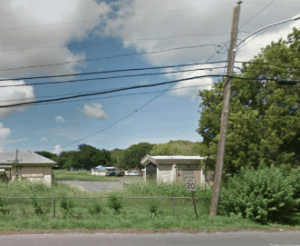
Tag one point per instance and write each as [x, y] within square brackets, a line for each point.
[105, 213]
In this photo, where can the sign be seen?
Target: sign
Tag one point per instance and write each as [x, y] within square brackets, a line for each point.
[190, 184]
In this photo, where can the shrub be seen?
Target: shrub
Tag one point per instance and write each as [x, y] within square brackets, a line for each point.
[153, 207]
[265, 195]
[37, 207]
[3, 210]
[95, 209]
[115, 203]
[67, 206]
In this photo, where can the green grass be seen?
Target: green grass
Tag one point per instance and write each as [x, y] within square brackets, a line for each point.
[81, 175]
[134, 214]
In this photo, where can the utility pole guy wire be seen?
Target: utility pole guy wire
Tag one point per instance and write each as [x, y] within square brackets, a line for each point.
[225, 109]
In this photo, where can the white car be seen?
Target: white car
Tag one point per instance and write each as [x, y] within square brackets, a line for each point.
[133, 173]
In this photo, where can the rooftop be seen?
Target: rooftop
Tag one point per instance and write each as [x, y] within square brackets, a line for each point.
[24, 157]
[170, 159]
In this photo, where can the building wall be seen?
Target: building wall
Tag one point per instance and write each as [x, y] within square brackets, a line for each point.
[33, 174]
[164, 173]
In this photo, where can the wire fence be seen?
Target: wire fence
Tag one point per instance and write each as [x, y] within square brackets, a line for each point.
[58, 206]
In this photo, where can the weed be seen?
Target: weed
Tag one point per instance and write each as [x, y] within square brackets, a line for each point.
[37, 207]
[153, 207]
[95, 209]
[115, 203]
[67, 206]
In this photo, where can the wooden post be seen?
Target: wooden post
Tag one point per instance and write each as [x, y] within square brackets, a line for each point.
[225, 109]
[193, 197]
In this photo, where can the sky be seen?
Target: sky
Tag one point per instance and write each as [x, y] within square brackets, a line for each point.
[79, 38]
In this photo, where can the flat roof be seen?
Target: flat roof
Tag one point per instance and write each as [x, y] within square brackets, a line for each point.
[171, 159]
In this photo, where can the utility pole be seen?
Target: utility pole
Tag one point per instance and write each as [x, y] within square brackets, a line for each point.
[225, 109]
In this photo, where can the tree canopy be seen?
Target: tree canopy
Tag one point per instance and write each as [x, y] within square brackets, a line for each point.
[132, 156]
[264, 116]
[179, 147]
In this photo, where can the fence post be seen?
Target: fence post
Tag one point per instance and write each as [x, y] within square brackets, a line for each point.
[53, 207]
[173, 205]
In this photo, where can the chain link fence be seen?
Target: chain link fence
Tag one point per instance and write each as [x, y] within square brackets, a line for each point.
[62, 207]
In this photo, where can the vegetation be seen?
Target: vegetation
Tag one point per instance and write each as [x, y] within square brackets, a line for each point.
[88, 157]
[109, 211]
[179, 147]
[132, 156]
[264, 116]
[266, 195]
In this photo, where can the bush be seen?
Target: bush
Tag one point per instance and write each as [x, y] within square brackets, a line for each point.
[67, 206]
[37, 207]
[153, 207]
[3, 210]
[265, 195]
[115, 203]
[95, 209]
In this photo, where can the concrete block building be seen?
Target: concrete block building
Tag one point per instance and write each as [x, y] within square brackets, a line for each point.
[173, 168]
[26, 165]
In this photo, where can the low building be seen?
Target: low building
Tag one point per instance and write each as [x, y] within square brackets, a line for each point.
[26, 165]
[173, 168]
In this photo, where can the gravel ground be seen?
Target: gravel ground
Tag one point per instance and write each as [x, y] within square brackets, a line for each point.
[97, 186]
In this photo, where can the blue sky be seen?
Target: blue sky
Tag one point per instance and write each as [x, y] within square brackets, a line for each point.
[46, 32]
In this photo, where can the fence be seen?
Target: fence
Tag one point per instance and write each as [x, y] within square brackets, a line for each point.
[52, 203]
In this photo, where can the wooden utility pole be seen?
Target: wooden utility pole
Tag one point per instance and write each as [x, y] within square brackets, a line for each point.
[225, 109]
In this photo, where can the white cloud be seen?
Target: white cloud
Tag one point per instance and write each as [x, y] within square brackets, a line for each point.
[94, 110]
[57, 149]
[44, 139]
[48, 24]
[59, 119]
[13, 95]
[16, 140]
[138, 20]
[4, 133]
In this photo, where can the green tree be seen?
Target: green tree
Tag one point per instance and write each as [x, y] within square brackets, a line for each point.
[89, 157]
[264, 116]
[133, 155]
[179, 147]
[48, 155]
[117, 157]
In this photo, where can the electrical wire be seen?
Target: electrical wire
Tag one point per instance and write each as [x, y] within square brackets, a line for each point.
[110, 57]
[105, 18]
[111, 77]
[257, 14]
[135, 111]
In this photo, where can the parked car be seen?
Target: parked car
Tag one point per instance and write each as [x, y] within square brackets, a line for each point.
[133, 173]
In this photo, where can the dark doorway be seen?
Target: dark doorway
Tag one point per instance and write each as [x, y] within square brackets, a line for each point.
[151, 171]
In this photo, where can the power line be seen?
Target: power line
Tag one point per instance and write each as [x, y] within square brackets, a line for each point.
[104, 18]
[109, 57]
[287, 80]
[257, 14]
[111, 77]
[127, 94]
[135, 111]
[142, 39]
[105, 92]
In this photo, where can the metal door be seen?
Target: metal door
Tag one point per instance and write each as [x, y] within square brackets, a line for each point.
[187, 173]
[151, 171]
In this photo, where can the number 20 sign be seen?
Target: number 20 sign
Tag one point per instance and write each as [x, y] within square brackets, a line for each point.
[190, 184]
